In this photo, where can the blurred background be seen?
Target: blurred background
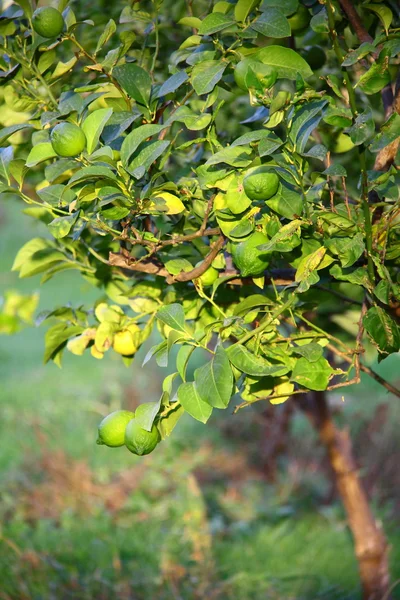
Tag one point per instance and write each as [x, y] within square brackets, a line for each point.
[244, 507]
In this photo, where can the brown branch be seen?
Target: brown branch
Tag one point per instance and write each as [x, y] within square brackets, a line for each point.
[154, 268]
[355, 21]
[367, 370]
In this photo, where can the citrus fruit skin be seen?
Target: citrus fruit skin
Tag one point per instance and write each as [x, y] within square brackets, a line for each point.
[250, 261]
[67, 139]
[111, 430]
[260, 184]
[300, 19]
[124, 342]
[241, 69]
[208, 277]
[315, 57]
[138, 440]
[47, 22]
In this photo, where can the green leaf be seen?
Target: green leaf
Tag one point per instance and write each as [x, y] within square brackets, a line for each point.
[390, 131]
[93, 126]
[145, 158]
[288, 63]
[384, 13]
[243, 8]
[177, 265]
[272, 23]
[61, 226]
[305, 120]
[135, 81]
[246, 305]
[92, 173]
[57, 336]
[148, 413]
[283, 235]
[355, 55]
[311, 352]
[192, 120]
[335, 170]
[214, 380]
[313, 376]
[375, 79]
[6, 132]
[36, 256]
[172, 315]
[182, 359]
[288, 7]
[251, 136]
[357, 276]
[349, 250]
[108, 31]
[206, 75]
[288, 201]
[135, 138]
[382, 329]
[268, 145]
[235, 156]
[363, 128]
[6, 156]
[192, 403]
[168, 423]
[215, 22]
[56, 195]
[63, 67]
[40, 153]
[256, 366]
[173, 83]
[26, 7]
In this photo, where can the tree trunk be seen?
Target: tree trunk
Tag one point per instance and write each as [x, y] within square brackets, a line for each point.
[371, 547]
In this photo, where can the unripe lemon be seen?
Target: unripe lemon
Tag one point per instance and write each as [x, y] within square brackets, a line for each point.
[67, 139]
[241, 70]
[124, 341]
[112, 428]
[315, 57]
[47, 22]
[260, 184]
[250, 261]
[208, 277]
[138, 440]
[300, 19]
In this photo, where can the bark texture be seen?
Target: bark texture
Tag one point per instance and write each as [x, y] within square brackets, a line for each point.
[371, 547]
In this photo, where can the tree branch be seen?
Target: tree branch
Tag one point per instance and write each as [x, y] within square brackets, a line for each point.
[155, 268]
[355, 21]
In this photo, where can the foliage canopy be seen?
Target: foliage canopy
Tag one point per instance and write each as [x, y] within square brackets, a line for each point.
[179, 108]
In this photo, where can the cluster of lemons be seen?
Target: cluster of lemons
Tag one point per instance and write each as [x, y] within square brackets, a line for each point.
[115, 330]
[123, 428]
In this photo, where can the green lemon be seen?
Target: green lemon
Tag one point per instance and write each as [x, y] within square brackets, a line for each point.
[126, 341]
[112, 428]
[260, 183]
[300, 19]
[138, 440]
[241, 71]
[250, 261]
[47, 22]
[67, 139]
[208, 277]
[315, 57]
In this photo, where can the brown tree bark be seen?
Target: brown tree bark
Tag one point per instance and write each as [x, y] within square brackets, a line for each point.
[371, 547]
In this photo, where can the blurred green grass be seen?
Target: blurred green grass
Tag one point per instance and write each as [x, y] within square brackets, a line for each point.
[193, 520]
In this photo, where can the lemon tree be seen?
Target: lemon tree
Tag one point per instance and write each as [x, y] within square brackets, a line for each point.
[230, 191]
